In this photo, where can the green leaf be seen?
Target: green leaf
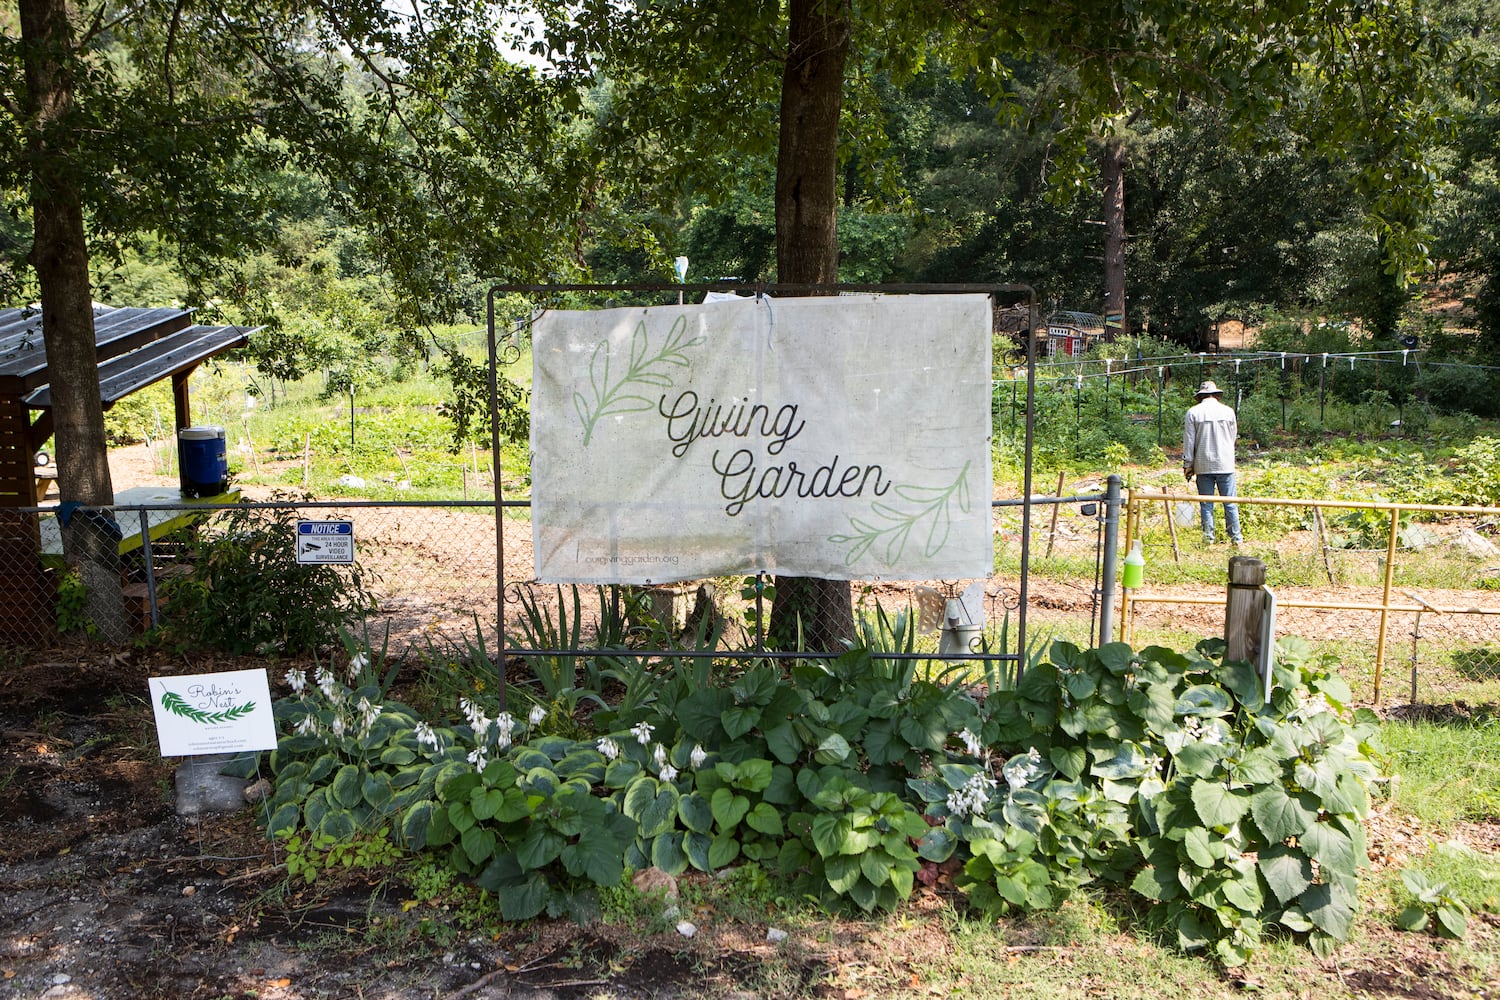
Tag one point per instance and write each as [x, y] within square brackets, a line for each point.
[1330, 908]
[414, 825]
[782, 742]
[1413, 918]
[524, 901]
[1453, 921]
[1287, 871]
[832, 749]
[599, 859]
[478, 844]
[694, 811]
[764, 818]
[722, 851]
[937, 845]
[1069, 761]
[1203, 700]
[842, 872]
[284, 819]
[1201, 850]
[1198, 759]
[1281, 815]
[739, 720]
[728, 808]
[1157, 882]
[1216, 805]
[667, 853]
[1191, 934]
[1330, 848]
[348, 786]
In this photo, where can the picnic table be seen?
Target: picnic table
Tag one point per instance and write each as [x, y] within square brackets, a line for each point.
[176, 512]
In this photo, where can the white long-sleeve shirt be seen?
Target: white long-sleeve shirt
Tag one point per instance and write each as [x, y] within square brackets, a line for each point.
[1208, 434]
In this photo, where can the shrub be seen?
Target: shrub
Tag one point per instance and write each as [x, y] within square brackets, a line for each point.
[1227, 809]
[246, 592]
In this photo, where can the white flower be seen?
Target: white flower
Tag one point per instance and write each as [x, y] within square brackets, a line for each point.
[1022, 769]
[478, 758]
[327, 683]
[536, 715]
[502, 740]
[698, 757]
[308, 726]
[668, 772]
[973, 797]
[338, 725]
[660, 755]
[297, 680]
[357, 663]
[425, 736]
[608, 747]
[368, 713]
[971, 742]
[472, 712]
[642, 732]
[506, 723]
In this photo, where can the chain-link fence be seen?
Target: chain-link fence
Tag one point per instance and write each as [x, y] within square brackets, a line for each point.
[1405, 596]
[259, 576]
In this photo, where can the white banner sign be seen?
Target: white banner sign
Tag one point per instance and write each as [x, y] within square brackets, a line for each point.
[842, 438]
[213, 713]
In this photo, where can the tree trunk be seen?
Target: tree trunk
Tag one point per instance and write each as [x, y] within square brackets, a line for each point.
[60, 256]
[1113, 172]
[819, 612]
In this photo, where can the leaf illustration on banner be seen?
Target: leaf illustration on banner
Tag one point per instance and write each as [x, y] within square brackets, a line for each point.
[644, 369]
[177, 705]
[930, 516]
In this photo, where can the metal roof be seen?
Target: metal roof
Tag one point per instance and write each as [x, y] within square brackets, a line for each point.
[136, 347]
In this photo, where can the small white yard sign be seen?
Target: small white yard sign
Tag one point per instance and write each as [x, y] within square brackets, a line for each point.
[213, 713]
[325, 541]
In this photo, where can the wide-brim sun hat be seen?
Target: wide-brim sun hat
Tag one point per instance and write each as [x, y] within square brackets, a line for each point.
[1208, 389]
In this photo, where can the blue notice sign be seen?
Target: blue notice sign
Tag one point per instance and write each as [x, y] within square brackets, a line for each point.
[325, 541]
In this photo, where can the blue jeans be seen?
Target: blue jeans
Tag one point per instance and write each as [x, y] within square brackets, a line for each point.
[1223, 483]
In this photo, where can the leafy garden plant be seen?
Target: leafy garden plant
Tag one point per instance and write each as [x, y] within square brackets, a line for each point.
[1228, 809]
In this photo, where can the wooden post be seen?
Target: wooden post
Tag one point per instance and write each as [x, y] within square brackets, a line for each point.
[1244, 607]
[1323, 543]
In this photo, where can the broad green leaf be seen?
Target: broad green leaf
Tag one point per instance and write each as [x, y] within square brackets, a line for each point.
[598, 859]
[696, 846]
[1157, 883]
[540, 847]
[842, 871]
[1198, 759]
[524, 901]
[695, 813]
[667, 853]
[1069, 761]
[875, 867]
[937, 844]
[1413, 918]
[1281, 815]
[461, 815]
[1330, 908]
[782, 742]
[739, 720]
[414, 824]
[1453, 921]
[348, 786]
[728, 808]
[832, 749]
[1191, 935]
[1217, 805]
[1286, 870]
[1330, 848]
[1202, 849]
[478, 843]
[1154, 704]
[723, 850]
[1203, 700]
[831, 835]
[764, 818]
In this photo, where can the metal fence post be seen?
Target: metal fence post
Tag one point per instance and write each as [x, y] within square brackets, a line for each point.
[148, 560]
[1111, 545]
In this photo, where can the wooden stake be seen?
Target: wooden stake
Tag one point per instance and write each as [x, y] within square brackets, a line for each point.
[306, 457]
[1319, 526]
[1052, 530]
[1172, 529]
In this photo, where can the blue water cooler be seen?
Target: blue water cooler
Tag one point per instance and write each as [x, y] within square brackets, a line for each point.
[202, 461]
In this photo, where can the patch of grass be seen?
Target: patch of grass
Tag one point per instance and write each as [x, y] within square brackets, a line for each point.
[1449, 770]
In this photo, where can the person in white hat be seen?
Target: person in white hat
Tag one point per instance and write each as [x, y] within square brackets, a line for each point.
[1208, 435]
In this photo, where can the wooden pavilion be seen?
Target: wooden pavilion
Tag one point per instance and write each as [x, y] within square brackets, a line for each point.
[136, 347]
